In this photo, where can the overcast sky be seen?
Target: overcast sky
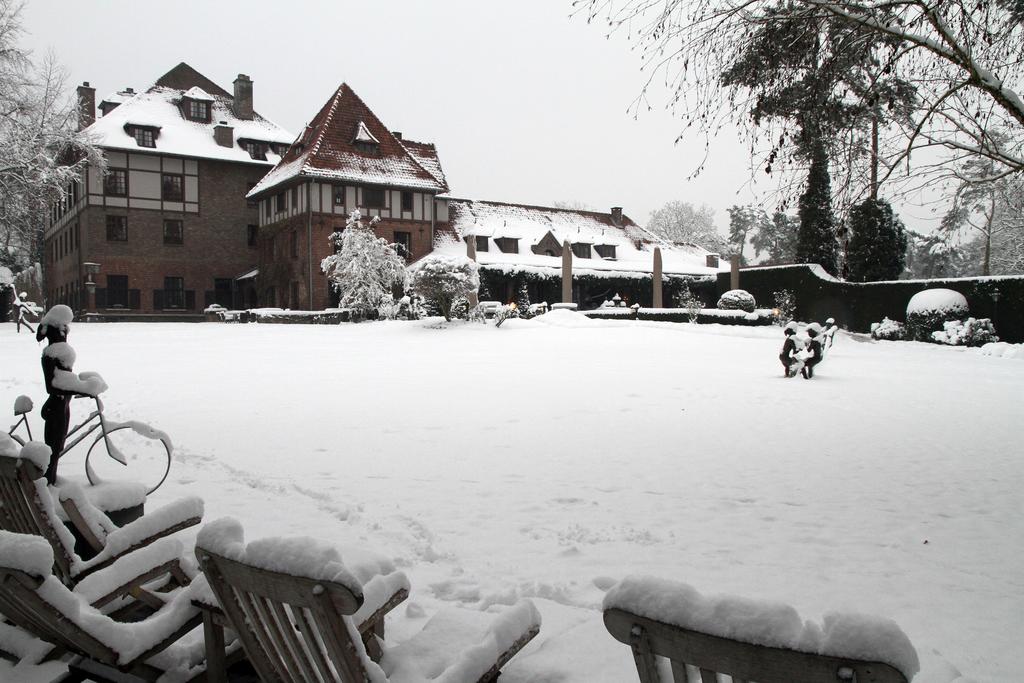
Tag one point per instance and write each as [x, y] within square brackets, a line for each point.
[525, 103]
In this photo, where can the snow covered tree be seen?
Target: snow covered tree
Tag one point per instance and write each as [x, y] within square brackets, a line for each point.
[523, 299]
[41, 151]
[365, 268]
[441, 279]
[777, 238]
[878, 244]
[680, 222]
[744, 222]
[933, 255]
[816, 237]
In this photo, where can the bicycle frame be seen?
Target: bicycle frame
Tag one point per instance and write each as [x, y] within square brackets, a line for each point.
[84, 429]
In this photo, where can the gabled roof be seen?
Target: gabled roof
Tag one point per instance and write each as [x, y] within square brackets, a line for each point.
[327, 149]
[159, 107]
[634, 246]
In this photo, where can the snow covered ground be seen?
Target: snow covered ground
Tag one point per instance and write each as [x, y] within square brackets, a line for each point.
[549, 458]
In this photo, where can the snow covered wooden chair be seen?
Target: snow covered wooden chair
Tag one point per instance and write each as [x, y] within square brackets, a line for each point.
[34, 600]
[27, 507]
[680, 636]
[296, 609]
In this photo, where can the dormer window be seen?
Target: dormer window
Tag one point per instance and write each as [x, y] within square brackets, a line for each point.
[256, 150]
[364, 141]
[145, 136]
[606, 251]
[509, 245]
[581, 250]
[198, 111]
[481, 242]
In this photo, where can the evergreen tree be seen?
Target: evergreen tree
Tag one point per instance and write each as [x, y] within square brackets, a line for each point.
[777, 238]
[523, 299]
[816, 237]
[878, 245]
[744, 222]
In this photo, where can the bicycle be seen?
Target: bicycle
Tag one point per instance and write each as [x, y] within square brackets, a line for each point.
[137, 438]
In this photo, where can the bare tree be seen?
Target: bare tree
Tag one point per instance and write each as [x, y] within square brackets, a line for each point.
[963, 60]
[41, 151]
[682, 223]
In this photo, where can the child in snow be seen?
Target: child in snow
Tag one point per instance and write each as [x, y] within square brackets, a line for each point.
[830, 331]
[814, 349]
[57, 356]
[789, 351]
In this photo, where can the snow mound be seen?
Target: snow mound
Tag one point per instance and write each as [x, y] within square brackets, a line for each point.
[38, 453]
[86, 383]
[27, 553]
[562, 317]
[1000, 350]
[937, 299]
[58, 316]
[766, 623]
[63, 352]
[8, 446]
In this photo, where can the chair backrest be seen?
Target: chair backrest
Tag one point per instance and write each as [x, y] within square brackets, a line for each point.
[292, 628]
[24, 511]
[695, 656]
[21, 604]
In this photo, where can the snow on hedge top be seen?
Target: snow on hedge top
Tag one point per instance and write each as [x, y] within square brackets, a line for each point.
[541, 231]
[937, 300]
[296, 556]
[855, 636]
[27, 553]
[160, 107]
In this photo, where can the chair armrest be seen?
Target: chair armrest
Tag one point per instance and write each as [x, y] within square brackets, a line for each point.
[381, 594]
[129, 572]
[165, 521]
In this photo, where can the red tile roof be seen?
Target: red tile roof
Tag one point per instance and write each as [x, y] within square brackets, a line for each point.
[328, 149]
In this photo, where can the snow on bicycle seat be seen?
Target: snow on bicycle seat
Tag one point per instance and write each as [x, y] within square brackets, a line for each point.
[22, 405]
[85, 383]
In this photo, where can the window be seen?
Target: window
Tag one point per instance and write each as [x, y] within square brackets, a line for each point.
[367, 147]
[605, 250]
[295, 197]
[174, 232]
[174, 292]
[117, 291]
[403, 243]
[295, 244]
[279, 201]
[481, 243]
[255, 150]
[509, 245]
[116, 182]
[339, 195]
[199, 111]
[144, 137]
[373, 197]
[581, 250]
[406, 201]
[222, 291]
[172, 187]
[251, 232]
[117, 228]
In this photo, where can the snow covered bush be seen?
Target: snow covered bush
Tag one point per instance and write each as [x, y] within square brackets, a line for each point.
[970, 332]
[785, 304]
[737, 299]
[889, 330]
[523, 300]
[441, 279]
[503, 313]
[364, 269]
[928, 310]
[691, 303]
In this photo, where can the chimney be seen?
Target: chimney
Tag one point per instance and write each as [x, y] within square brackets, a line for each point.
[243, 97]
[224, 134]
[711, 260]
[397, 134]
[129, 91]
[617, 216]
[86, 105]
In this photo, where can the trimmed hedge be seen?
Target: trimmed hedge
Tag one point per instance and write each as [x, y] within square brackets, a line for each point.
[855, 305]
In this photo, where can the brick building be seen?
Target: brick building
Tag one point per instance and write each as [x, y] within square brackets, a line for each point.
[346, 159]
[168, 228]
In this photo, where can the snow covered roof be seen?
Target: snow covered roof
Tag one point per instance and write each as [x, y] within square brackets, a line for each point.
[327, 149]
[531, 225]
[159, 107]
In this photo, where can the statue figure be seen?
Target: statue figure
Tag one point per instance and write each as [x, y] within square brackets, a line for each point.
[57, 356]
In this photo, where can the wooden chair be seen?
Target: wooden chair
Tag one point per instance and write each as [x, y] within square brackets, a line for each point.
[296, 626]
[36, 601]
[26, 507]
[697, 657]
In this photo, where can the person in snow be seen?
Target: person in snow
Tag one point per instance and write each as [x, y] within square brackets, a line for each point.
[789, 350]
[830, 331]
[58, 355]
[20, 309]
[814, 350]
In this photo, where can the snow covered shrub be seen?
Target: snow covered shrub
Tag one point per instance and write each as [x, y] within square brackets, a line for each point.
[364, 268]
[737, 299]
[970, 332]
[523, 300]
[503, 313]
[441, 279]
[692, 304]
[890, 330]
[928, 310]
[785, 304]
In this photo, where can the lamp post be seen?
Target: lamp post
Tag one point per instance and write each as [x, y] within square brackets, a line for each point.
[995, 307]
[91, 270]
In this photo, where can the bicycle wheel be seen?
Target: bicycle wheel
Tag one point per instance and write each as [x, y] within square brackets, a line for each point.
[145, 452]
